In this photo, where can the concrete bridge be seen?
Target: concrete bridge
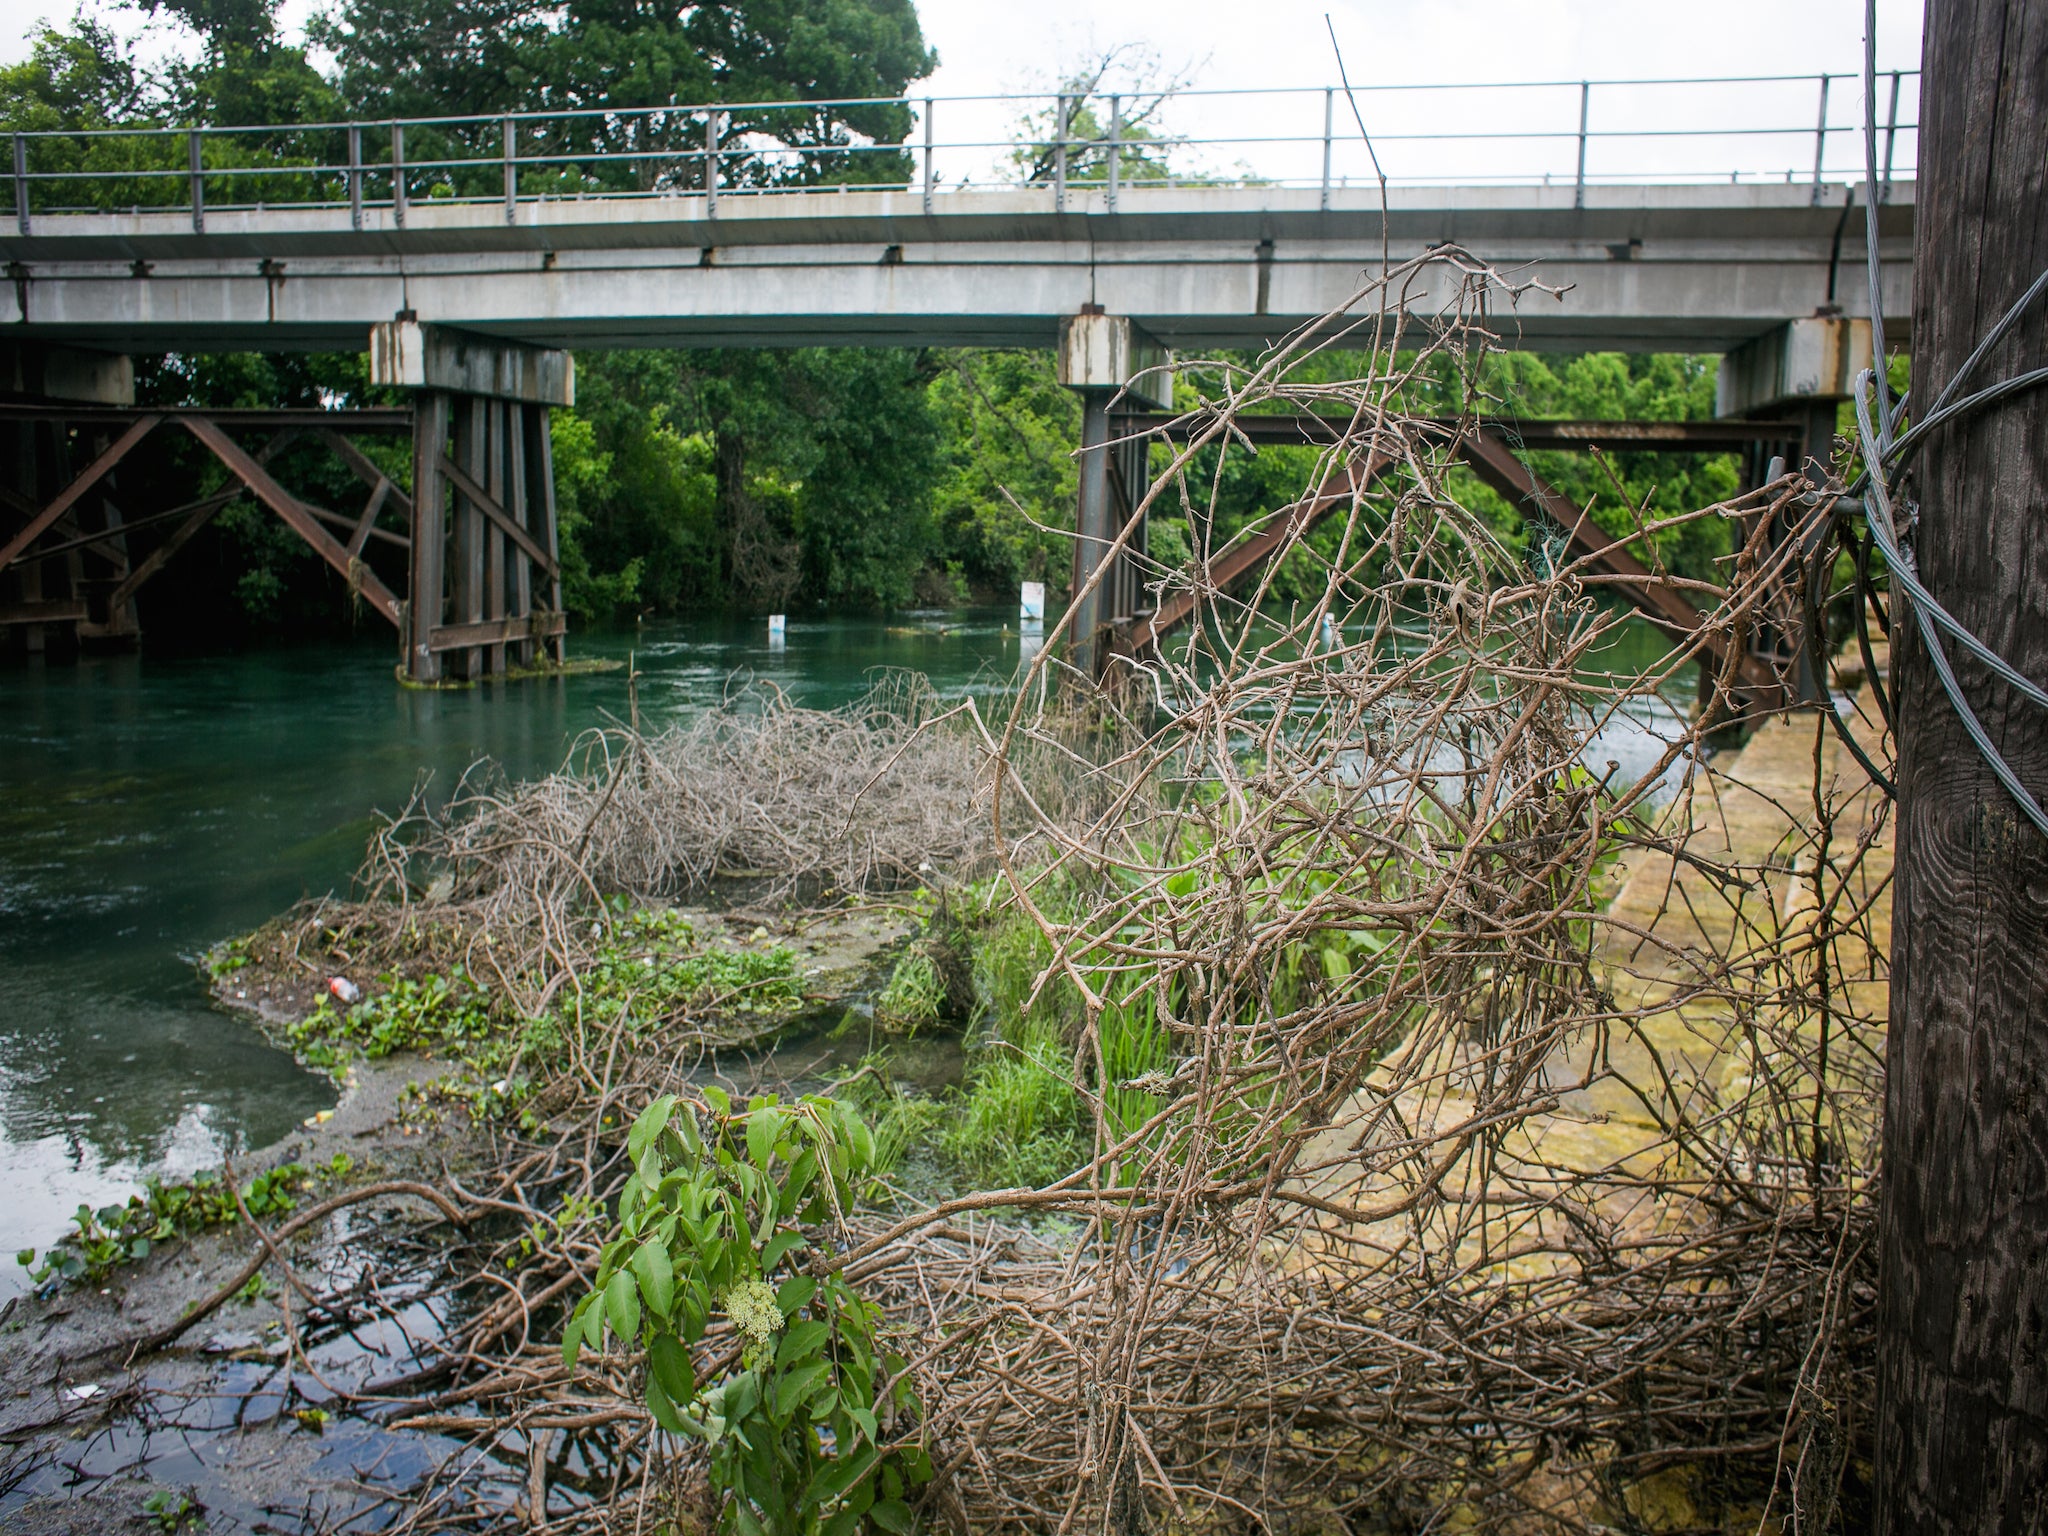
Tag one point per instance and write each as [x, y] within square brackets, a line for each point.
[1663, 268]
[466, 270]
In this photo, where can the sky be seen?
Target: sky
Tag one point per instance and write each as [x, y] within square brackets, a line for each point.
[993, 46]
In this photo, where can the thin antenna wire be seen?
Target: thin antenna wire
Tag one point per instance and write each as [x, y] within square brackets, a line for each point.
[1386, 236]
[1880, 362]
[1356, 115]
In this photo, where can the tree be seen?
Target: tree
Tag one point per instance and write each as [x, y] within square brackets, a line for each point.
[757, 478]
[1007, 476]
[1962, 1411]
[485, 58]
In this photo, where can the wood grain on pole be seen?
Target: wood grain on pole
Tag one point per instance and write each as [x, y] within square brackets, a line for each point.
[429, 534]
[1962, 1432]
[496, 450]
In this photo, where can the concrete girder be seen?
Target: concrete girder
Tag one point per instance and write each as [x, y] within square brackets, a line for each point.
[1692, 268]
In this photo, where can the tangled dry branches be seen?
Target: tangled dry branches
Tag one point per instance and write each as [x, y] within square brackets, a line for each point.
[1477, 1137]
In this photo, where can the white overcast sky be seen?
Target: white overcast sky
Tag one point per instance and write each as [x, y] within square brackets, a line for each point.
[989, 46]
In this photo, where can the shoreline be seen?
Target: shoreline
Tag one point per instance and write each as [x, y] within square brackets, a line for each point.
[69, 1395]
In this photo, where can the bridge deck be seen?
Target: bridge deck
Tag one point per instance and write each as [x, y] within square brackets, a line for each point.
[1687, 267]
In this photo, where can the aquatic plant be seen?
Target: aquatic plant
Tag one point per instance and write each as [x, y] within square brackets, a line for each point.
[105, 1239]
[914, 997]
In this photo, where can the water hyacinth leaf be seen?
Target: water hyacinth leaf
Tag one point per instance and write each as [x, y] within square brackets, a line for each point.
[668, 1362]
[794, 1292]
[622, 1306]
[657, 1277]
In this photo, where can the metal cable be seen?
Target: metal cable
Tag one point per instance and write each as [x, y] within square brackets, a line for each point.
[1885, 455]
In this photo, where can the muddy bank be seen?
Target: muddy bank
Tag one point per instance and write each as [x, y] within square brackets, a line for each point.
[247, 1418]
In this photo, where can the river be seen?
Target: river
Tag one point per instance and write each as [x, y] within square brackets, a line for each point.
[151, 805]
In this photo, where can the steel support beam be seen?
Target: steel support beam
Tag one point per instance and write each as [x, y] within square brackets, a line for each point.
[296, 514]
[1241, 559]
[1314, 429]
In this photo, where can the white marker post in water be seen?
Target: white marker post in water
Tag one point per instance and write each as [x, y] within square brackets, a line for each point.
[1031, 600]
[778, 631]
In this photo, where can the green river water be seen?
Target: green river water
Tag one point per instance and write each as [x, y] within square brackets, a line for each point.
[151, 805]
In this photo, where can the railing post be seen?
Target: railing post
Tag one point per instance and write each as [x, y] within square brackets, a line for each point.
[1329, 119]
[1059, 157]
[198, 184]
[21, 183]
[1116, 146]
[711, 162]
[398, 175]
[355, 176]
[928, 181]
[1891, 135]
[511, 170]
[1820, 139]
[1585, 113]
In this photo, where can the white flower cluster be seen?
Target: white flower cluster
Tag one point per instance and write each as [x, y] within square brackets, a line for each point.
[751, 1306]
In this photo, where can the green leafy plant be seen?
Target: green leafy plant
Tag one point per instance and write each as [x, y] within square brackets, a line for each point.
[114, 1235]
[915, 996]
[170, 1509]
[99, 1246]
[437, 1012]
[717, 1221]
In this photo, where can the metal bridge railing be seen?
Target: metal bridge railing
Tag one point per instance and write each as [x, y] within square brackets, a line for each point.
[1580, 133]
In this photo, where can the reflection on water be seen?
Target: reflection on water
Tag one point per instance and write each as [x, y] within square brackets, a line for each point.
[152, 805]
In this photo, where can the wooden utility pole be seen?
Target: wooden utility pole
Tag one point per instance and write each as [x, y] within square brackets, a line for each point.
[1962, 1431]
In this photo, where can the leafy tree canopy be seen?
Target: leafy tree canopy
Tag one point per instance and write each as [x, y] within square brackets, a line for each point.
[398, 58]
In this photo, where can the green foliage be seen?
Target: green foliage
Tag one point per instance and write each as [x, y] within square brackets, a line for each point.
[437, 1013]
[653, 959]
[915, 995]
[761, 479]
[488, 57]
[649, 967]
[717, 1217]
[1007, 475]
[115, 1235]
[1017, 1123]
[172, 1510]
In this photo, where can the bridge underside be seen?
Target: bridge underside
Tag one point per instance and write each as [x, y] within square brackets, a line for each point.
[1775, 271]
[1685, 268]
